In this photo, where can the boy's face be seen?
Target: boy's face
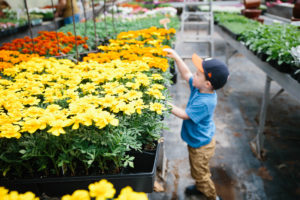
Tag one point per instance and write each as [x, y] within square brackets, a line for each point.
[199, 80]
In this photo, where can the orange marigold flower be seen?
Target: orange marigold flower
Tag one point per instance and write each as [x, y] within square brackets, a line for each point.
[85, 46]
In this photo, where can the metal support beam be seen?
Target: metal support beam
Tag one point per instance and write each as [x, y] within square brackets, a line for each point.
[258, 142]
[277, 94]
[229, 53]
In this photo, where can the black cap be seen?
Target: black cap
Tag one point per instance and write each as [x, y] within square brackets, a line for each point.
[216, 72]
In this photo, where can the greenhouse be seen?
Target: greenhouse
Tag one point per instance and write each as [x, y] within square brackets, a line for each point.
[149, 100]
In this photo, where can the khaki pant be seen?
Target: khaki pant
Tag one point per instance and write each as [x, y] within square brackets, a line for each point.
[199, 162]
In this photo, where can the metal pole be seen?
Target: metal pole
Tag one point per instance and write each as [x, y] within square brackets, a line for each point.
[227, 53]
[85, 18]
[55, 26]
[74, 28]
[29, 22]
[113, 16]
[262, 118]
[94, 20]
[211, 29]
[105, 24]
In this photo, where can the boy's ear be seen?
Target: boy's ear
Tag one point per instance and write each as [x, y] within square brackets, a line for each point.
[209, 84]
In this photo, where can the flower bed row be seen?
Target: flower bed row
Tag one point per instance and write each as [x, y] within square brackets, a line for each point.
[98, 190]
[274, 43]
[10, 58]
[63, 42]
[10, 23]
[48, 44]
[235, 24]
[108, 29]
[58, 118]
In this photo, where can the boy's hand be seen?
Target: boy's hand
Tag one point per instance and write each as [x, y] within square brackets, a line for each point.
[171, 53]
[170, 104]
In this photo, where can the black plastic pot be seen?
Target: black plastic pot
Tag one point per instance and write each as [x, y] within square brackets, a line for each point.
[174, 78]
[140, 178]
[5, 33]
[284, 67]
[262, 56]
[295, 73]
[173, 72]
[23, 27]
[172, 68]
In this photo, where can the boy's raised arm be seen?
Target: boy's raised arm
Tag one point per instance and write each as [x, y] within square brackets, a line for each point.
[182, 67]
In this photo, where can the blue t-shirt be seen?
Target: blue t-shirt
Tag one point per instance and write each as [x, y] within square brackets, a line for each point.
[200, 128]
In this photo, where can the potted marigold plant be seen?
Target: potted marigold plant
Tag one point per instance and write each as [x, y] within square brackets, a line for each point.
[98, 190]
[64, 125]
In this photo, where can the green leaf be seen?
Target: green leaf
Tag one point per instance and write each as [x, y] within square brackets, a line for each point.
[22, 151]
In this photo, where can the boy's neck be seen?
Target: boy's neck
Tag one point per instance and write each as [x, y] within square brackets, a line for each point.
[206, 90]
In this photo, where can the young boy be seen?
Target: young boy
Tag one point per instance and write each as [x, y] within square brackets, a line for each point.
[198, 127]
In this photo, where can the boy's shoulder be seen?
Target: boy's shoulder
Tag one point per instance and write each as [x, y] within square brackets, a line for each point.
[205, 99]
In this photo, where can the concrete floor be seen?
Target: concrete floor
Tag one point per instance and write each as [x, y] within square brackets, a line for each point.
[237, 173]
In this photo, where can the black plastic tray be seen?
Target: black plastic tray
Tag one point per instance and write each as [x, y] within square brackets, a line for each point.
[229, 32]
[140, 178]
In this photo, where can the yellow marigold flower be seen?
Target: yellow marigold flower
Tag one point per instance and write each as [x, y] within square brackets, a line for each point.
[133, 94]
[15, 116]
[155, 93]
[34, 111]
[88, 116]
[157, 86]
[12, 195]
[102, 190]
[76, 120]
[142, 79]
[72, 95]
[157, 107]
[12, 104]
[53, 108]
[5, 119]
[114, 121]
[12, 71]
[111, 85]
[128, 194]
[108, 101]
[120, 90]
[157, 77]
[3, 191]
[129, 76]
[139, 105]
[88, 87]
[104, 118]
[57, 127]
[32, 125]
[5, 82]
[78, 106]
[172, 30]
[28, 196]
[142, 66]
[118, 107]
[128, 109]
[30, 101]
[134, 86]
[10, 131]
[77, 195]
